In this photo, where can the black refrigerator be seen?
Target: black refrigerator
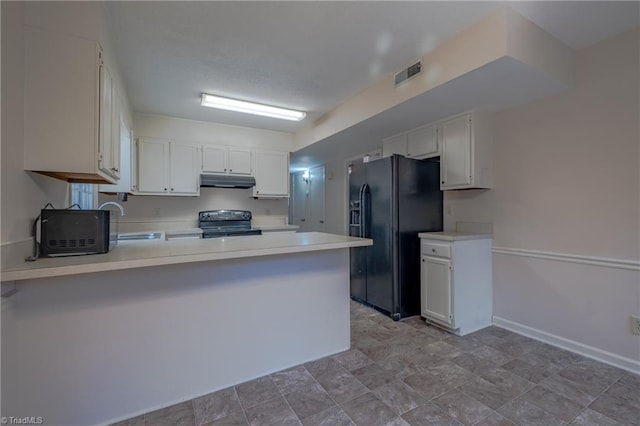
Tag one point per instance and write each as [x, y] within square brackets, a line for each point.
[391, 200]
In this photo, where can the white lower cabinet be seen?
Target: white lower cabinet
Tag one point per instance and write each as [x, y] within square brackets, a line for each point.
[167, 168]
[456, 281]
[436, 296]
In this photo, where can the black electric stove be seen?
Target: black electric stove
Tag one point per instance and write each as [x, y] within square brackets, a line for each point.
[225, 223]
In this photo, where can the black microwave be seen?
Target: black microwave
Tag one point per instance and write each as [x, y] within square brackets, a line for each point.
[73, 232]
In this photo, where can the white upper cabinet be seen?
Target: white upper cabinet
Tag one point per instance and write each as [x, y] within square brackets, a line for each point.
[271, 172]
[418, 143]
[183, 169]
[396, 144]
[68, 105]
[122, 150]
[105, 159]
[214, 159]
[109, 141]
[455, 167]
[167, 168]
[219, 159]
[153, 162]
[466, 151]
[423, 142]
[239, 161]
[463, 142]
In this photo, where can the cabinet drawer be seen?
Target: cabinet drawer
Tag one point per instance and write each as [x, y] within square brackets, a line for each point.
[429, 248]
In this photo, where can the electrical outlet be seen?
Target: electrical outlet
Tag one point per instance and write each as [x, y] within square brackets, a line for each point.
[635, 324]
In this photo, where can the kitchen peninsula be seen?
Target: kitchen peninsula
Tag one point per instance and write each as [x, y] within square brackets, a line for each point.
[96, 339]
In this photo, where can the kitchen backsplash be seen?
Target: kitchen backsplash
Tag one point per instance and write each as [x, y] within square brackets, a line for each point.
[143, 212]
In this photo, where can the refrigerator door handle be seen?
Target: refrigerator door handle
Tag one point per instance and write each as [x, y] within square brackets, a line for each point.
[365, 210]
[360, 201]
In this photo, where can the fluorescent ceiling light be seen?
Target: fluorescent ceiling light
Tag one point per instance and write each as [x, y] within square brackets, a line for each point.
[251, 108]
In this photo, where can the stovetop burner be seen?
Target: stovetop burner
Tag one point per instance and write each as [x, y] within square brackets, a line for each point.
[223, 223]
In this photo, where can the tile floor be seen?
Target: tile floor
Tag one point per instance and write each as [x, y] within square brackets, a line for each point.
[409, 373]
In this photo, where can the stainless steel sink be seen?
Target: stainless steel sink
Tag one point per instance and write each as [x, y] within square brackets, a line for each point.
[141, 236]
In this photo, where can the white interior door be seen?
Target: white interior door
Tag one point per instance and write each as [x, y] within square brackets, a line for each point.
[299, 205]
[316, 199]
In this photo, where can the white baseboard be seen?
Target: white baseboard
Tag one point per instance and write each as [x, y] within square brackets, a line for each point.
[622, 362]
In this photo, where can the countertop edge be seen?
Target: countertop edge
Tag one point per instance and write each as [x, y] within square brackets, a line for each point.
[57, 271]
[453, 236]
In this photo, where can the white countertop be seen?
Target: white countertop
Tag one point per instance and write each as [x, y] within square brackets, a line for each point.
[454, 236]
[138, 254]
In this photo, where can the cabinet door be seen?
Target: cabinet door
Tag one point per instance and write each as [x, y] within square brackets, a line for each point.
[395, 145]
[105, 144]
[240, 161]
[272, 174]
[115, 135]
[214, 159]
[183, 169]
[423, 142]
[62, 106]
[455, 159]
[153, 156]
[436, 289]
[127, 181]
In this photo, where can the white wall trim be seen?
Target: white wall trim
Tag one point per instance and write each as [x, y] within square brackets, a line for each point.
[622, 362]
[606, 262]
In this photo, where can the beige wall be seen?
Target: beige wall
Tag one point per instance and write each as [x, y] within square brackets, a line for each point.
[567, 181]
[23, 193]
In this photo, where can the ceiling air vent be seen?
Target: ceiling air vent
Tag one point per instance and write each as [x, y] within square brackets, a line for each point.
[407, 73]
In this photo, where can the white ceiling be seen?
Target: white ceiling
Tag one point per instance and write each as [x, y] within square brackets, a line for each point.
[305, 55]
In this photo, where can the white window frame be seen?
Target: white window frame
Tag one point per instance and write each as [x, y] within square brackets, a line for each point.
[84, 195]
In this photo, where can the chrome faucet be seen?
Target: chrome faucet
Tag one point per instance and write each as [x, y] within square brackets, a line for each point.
[112, 203]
